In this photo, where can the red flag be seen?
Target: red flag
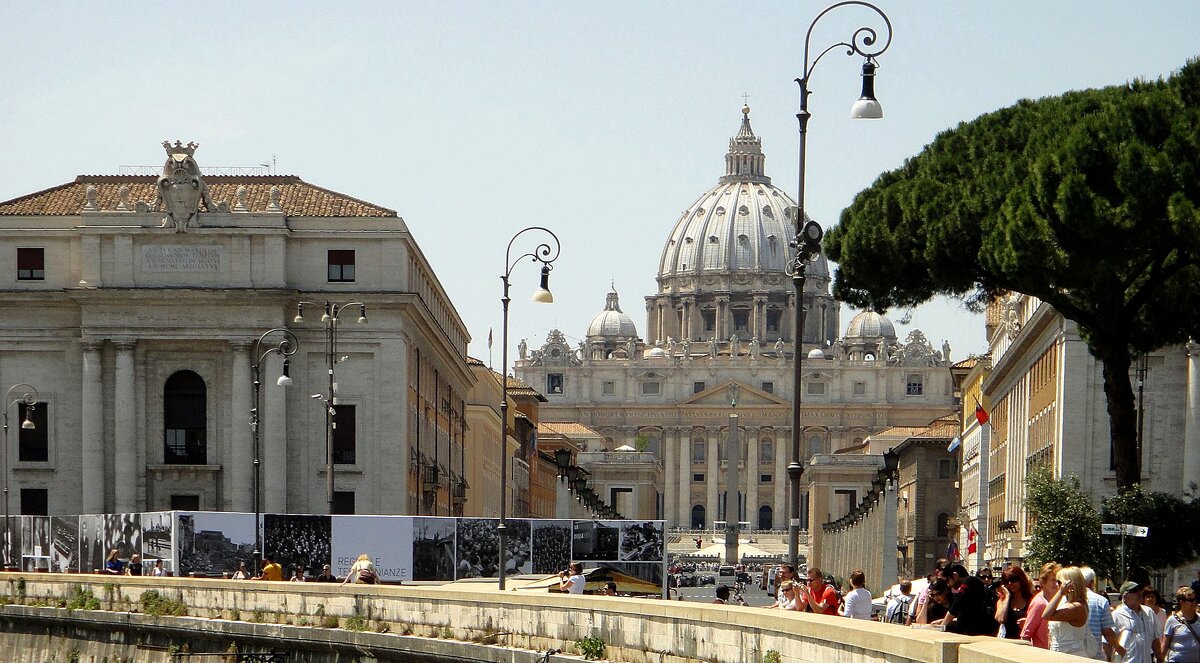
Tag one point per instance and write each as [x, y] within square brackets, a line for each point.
[971, 542]
[981, 415]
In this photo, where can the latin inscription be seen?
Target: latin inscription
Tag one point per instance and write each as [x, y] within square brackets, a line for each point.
[182, 258]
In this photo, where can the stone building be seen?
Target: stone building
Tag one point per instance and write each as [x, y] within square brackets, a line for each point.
[722, 316]
[134, 304]
[1048, 409]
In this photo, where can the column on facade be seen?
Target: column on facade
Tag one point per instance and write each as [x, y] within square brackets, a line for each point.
[760, 317]
[712, 478]
[685, 478]
[780, 480]
[125, 432]
[92, 431]
[1191, 430]
[671, 475]
[721, 328]
[273, 452]
[751, 481]
[239, 488]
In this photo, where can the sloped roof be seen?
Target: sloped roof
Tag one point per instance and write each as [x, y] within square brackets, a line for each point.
[566, 429]
[299, 197]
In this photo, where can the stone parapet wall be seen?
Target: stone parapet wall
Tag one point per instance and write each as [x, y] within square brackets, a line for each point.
[479, 619]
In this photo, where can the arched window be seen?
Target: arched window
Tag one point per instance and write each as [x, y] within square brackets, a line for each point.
[698, 516]
[185, 420]
[815, 445]
[943, 526]
[765, 517]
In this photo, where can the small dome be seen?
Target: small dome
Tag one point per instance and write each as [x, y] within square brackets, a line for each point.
[816, 353]
[869, 324]
[624, 448]
[655, 352]
[612, 322]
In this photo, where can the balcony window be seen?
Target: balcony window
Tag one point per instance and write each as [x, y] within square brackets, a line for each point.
[185, 420]
[341, 266]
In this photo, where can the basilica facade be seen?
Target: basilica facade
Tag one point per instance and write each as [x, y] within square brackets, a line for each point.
[719, 341]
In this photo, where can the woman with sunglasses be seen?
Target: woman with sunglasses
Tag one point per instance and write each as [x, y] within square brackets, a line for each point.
[1013, 597]
[788, 591]
[1181, 636]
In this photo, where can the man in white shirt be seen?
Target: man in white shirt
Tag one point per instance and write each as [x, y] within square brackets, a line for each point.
[1100, 621]
[1135, 625]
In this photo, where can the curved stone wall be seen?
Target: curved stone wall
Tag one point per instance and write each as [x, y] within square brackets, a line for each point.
[464, 622]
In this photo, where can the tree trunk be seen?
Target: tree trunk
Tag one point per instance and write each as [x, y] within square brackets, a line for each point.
[1122, 415]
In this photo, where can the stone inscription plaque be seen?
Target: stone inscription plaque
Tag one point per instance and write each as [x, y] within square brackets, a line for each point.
[182, 258]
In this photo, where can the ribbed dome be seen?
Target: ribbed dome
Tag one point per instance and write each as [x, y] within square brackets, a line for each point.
[869, 324]
[741, 224]
[612, 322]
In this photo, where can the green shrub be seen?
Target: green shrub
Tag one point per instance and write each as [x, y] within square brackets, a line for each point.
[83, 599]
[328, 621]
[771, 656]
[591, 648]
[356, 623]
[156, 604]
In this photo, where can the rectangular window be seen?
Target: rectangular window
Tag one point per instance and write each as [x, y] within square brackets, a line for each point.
[31, 264]
[343, 501]
[343, 434]
[697, 478]
[741, 319]
[651, 388]
[773, 319]
[554, 383]
[846, 500]
[185, 502]
[608, 388]
[35, 502]
[816, 388]
[860, 388]
[341, 265]
[697, 387]
[709, 317]
[764, 478]
[768, 387]
[33, 445]
[914, 386]
[944, 469]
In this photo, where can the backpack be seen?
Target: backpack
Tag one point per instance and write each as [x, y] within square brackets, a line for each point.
[897, 610]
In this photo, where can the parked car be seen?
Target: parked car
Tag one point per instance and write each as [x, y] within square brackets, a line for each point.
[707, 579]
[726, 570]
[687, 580]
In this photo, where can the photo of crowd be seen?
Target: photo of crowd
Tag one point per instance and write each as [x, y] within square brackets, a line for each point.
[303, 541]
[433, 548]
[551, 545]
[478, 550]
[641, 541]
[123, 532]
[64, 542]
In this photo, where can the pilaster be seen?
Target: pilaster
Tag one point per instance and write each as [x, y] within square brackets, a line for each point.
[125, 434]
[92, 429]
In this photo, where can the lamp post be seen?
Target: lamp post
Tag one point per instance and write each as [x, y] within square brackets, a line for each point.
[30, 399]
[331, 317]
[545, 254]
[808, 232]
[287, 347]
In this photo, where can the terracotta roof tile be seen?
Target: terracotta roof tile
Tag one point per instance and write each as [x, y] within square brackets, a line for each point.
[566, 429]
[299, 197]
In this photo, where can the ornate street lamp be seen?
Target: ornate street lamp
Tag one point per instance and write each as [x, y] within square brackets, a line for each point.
[808, 232]
[286, 347]
[331, 317]
[546, 254]
[30, 399]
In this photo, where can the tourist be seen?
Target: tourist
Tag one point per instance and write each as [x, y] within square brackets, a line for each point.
[1137, 630]
[787, 598]
[938, 603]
[989, 587]
[858, 600]
[1036, 629]
[298, 574]
[158, 571]
[920, 605]
[572, 581]
[271, 570]
[1013, 597]
[113, 566]
[610, 588]
[784, 573]
[898, 605]
[326, 575]
[1153, 600]
[722, 595]
[817, 596]
[362, 571]
[134, 568]
[969, 612]
[1067, 614]
[1100, 621]
[1181, 637]
[242, 572]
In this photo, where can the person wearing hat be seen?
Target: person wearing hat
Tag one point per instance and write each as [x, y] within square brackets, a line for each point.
[1136, 627]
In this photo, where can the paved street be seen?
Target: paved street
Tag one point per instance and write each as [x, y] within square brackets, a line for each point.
[753, 595]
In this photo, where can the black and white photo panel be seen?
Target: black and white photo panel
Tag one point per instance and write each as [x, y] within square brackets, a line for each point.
[298, 541]
[433, 548]
[551, 545]
[214, 543]
[641, 541]
[64, 544]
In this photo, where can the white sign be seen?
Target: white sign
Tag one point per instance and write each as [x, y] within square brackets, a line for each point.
[182, 258]
[1115, 529]
[386, 540]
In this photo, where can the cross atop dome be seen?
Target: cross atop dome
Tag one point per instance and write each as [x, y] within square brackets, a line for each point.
[745, 160]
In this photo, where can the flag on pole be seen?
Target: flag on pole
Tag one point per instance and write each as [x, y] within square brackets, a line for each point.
[972, 544]
[981, 414]
[952, 551]
[489, 338]
[954, 444]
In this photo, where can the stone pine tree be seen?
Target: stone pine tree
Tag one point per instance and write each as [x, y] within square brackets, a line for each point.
[1087, 201]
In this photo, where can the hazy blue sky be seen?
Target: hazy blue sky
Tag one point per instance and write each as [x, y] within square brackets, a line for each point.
[600, 120]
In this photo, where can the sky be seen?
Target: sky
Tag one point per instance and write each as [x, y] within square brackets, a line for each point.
[602, 121]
